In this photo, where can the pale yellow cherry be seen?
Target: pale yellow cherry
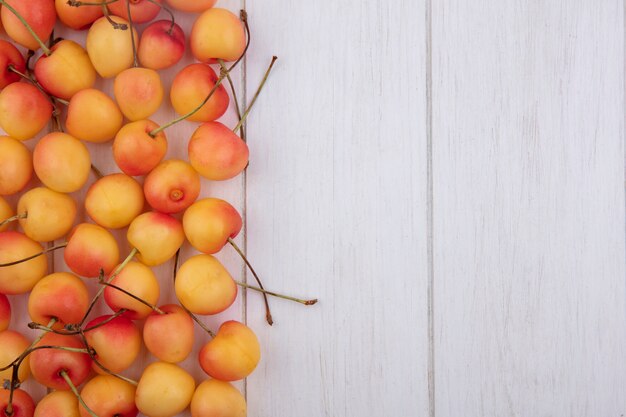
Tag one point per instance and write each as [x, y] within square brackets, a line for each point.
[16, 165]
[93, 116]
[110, 49]
[22, 277]
[114, 201]
[214, 398]
[6, 212]
[49, 214]
[108, 396]
[139, 92]
[12, 344]
[204, 286]
[156, 236]
[217, 33]
[164, 390]
[61, 162]
[58, 404]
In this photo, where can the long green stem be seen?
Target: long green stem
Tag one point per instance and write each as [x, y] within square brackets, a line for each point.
[256, 95]
[268, 314]
[70, 384]
[30, 30]
[243, 15]
[14, 218]
[120, 26]
[115, 273]
[45, 251]
[156, 131]
[274, 294]
[234, 94]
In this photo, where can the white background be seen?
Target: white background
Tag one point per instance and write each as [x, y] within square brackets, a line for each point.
[447, 177]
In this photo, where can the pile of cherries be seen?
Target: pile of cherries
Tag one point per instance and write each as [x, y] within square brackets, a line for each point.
[81, 359]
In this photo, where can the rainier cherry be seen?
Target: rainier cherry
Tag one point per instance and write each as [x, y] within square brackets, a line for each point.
[58, 404]
[62, 296]
[217, 398]
[141, 11]
[232, 354]
[16, 167]
[110, 49]
[10, 56]
[172, 186]
[61, 162]
[117, 343]
[217, 34]
[209, 223]
[139, 92]
[39, 14]
[22, 404]
[89, 249]
[106, 395]
[24, 110]
[204, 286]
[77, 17]
[135, 151]
[156, 236]
[12, 344]
[162, 45]
[139, 280]
[114, 201]
[164, 390]
[47, 215]
[191, 86]
[159, 328]
[93, 116]
[22, 277]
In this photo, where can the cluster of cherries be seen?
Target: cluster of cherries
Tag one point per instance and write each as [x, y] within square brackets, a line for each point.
[82, 359]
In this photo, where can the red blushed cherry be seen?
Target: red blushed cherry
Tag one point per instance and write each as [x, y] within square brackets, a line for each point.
[209, 223]
[23, 404]
[10, 56]
[172, 186]
[117, 343]
[47, 365]
[141, 11]
[161, 45]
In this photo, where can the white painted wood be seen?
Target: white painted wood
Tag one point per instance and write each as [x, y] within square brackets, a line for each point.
[336, 207]
[528, 160]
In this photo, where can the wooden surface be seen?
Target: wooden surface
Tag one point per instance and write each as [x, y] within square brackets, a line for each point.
[447, 178]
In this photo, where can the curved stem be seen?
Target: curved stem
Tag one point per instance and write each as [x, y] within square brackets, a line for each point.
[115, 273]
[156, 131]
[14, 218]
[132, 34]
[69, 382]
[268, 313]
[95, 360]
[45, 251]
[168, 11]
[134, 297]
[14, 378]
[30, 30]
[256, 95]
[119, 26]
[243, 15]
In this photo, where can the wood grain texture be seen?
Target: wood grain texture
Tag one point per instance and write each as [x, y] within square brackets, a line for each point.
[336, 207]
[528, 159]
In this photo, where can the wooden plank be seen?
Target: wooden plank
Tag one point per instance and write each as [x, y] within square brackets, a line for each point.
[336, 207]
[528, 159]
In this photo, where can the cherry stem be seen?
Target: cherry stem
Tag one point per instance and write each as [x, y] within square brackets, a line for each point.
[193, 316]
[274, 294]
[76, 3]
[69, 382]
[268, 314]
[70, 327]
[14, 218]
[234, 94]
[30, 30]
[158, 130]
[243, 15]
[45, 251]
[96, 171]
[133, 296]
[172, 18]
[115, 273]
[19, 359]
[97, 362]
[105, 11]
[256, 95]
[132, 34]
